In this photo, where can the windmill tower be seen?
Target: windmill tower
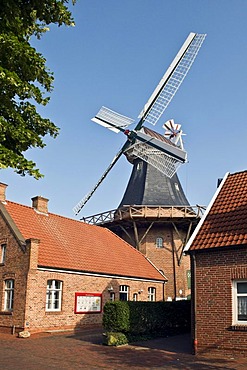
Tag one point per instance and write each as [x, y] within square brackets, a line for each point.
[154, 214]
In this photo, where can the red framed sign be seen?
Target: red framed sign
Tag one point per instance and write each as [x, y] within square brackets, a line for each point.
[88, 303]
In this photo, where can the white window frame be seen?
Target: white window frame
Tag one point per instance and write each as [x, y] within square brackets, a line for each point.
[135, 297]
[159, 242]
[54, 295]
[3, 253]
[235, 296]
[124, 289]
[9, 294]
[151, 294]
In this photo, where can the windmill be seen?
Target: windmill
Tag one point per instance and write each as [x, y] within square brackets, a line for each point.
[162, 152]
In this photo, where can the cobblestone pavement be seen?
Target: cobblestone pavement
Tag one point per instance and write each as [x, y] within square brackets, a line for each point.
[65, 351]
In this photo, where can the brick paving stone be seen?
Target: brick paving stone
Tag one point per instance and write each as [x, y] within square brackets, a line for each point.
[68, 350]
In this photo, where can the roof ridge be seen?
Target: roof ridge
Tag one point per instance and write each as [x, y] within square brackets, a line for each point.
[238, 172]
[49, 213]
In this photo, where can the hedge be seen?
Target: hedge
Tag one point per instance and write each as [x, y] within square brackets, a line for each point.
[147, 318]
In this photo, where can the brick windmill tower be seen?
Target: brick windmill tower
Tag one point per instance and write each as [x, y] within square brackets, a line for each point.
[154, 214]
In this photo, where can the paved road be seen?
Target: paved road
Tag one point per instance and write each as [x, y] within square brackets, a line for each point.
[65, 351]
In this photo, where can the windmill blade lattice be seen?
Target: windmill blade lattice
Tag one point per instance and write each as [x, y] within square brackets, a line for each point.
[163, 162]
[172, 79]
[112, 120]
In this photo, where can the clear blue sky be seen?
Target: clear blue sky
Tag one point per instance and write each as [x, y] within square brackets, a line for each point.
[115, 56]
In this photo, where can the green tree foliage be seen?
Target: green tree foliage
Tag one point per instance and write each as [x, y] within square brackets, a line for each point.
[25, 80]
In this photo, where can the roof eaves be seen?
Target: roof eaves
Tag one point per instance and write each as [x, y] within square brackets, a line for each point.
[192, 238]
[100, 274]
[10, 222]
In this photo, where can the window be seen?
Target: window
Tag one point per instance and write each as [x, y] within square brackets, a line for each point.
[9, 295]
[139, 166]
[3, 253]
[54, 295]
[112, 296]
[159, 242]
[123, 293]
[151, 294]
[188, 275]
[135, 297]
[240, 302]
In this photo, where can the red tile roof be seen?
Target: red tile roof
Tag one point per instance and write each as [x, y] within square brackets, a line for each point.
[69, 244]
[226, 221]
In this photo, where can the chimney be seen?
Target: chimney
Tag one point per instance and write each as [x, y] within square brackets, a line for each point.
[40, 204]
[2, 191]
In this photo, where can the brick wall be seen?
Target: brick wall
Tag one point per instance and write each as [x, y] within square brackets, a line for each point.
[15, 267]
[167, 258]
[37, 319]
[215, 272]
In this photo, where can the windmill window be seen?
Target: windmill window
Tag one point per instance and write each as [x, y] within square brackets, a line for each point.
[123, 293]
[176, 186]
[9, 295]
[240, 302]
[151, 294]
[159, 242]
[54, 295]
[139, 166]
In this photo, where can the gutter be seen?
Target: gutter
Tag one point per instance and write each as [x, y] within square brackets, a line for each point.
[194, 306]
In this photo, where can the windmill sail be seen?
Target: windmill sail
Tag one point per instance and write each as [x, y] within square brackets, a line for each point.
[172, 79]
[112, 120]
[82, 203]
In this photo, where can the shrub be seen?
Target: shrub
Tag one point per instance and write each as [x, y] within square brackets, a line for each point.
[115, 339]
[147, 318]
[116, 316]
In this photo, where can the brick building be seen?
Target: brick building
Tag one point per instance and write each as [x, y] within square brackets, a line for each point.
[57, 273]
[218, 250]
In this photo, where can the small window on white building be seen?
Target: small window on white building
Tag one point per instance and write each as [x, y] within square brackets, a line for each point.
[159, 242]
[54, 295]
[3, 253]
[123, 293]
[9, 295]
[240, 302]
[151, 294]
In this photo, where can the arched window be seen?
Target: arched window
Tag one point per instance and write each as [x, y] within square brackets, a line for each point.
[54, 295]
[135, 297]
[3, 253]
[159, 242]
[112, 296]
[9, 295]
